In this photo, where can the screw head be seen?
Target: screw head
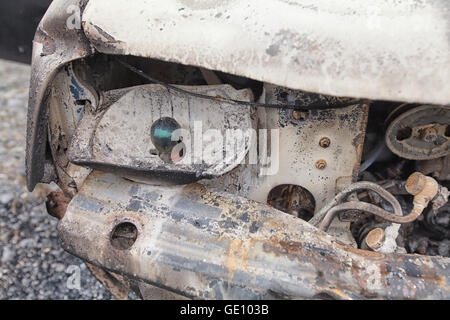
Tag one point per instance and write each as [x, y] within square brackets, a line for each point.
[321, 164]
[325, 142]
[375, 238]
[429, 135]
[415, 183]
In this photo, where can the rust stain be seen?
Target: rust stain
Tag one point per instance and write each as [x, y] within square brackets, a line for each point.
[339, 293]
[232, 259]
[359, 252]
[57, 204]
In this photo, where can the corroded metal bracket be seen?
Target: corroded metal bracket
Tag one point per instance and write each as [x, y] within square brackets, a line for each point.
[213, 245]
[116, 137]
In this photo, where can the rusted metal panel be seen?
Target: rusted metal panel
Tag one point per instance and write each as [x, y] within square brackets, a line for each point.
[297, 156]
[213, 245]
[300, 150]
[389, 50]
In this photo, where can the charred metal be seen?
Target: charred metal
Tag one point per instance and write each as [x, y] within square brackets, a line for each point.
[333, 188]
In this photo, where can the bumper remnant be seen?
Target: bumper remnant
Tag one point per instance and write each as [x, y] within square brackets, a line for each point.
[212, 245]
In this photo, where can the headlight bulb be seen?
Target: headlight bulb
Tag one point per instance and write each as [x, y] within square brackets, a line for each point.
[162, 135]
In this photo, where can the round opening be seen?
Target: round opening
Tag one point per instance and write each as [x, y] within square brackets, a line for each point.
[292, 199]
[447, 131]
[178, 151]
[82, 102]
[301, 115]
[404, 133]
[124, 235]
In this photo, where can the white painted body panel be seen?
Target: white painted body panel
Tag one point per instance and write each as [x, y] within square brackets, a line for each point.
[393, 50]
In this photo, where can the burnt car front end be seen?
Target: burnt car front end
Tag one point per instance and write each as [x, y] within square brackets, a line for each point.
[247, 150]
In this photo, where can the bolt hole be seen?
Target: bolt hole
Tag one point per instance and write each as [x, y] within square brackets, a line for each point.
[123, 236]
[178, 151]
[292, 199]
[301, 115]
[404, 133]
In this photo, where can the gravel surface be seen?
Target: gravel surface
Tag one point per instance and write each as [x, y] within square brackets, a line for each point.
[32, 264]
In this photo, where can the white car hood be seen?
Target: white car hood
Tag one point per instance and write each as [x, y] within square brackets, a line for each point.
[392, 50]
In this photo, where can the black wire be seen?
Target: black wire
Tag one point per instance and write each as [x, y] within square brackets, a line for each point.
[246, 103]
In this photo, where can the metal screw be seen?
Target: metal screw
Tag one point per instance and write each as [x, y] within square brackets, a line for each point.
[325, 142]
[375, 238]
[321, 164]
[416, 183]
[429, 135]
